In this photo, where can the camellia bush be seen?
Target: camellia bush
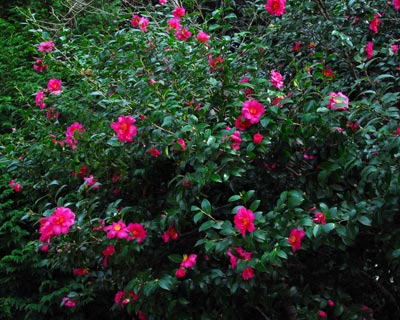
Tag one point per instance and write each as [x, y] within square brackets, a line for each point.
[194, 161]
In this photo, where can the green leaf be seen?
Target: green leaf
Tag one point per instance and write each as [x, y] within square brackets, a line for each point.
[234, 198]
[365, 220]
[166, 282]
[207, 225]
[197, 217]
[396, 253]
[206, 206]
[177, 258]
[328, 227]
[295, 198]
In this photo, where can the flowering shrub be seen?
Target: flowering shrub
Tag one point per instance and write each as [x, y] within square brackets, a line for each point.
[190, 164]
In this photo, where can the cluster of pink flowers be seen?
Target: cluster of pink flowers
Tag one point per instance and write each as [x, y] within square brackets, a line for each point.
[90, 181]
[70, 136]
[236, 140]
[244, 220]
[170, 234]
[214, 63]
[276, 7]
[40, 99]
[16, 186]
[295, 239]
[128, 232]
[338, 101]
[58, 223]
[125, 128]
[188, 262]
[276, 79]
[141, 22]
[241, 255]
[182, 33]
[39, 66]
[122, 297]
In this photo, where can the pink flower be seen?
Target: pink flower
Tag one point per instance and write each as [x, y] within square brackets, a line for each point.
[118, 297]
[178, 12]
[188, 261]
[116, 229]
[154, 152]
[242, 254]
[170, 234]
[213, 63]
[174, 23]
[257, 138]
[180, 145]
[58, 223]
[143, 23]
[369, 49]
[396, 4]
[276, 79]
[232, 258]
[124, 128]
[319, 218]
[376, 21]
[46, 46]
[107, 252]
[16, 186]
[54, 86]
[67, 302]
[248, 273]
[72, 130]
[203, 37]
[331, 303]
[90, 181]
[296, 47]
[328, 73]
[45, 248]
[40, 100]
[252, 110]
[322, 314]
[162, 1]
[295, 239]
[235, 137]
[39, 66]
[276, 7]
[140, 314]
[242, 124]
[135, 20]
[51, 114]
[136, 231]
[180, 273]
[244, 220]
[338, 101]
[80, 271]
[395, 48]
[183, 33]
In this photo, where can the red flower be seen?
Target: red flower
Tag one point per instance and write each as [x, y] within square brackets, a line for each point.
[375, 23]
[180, 273]
[322, 314]
[203, 37]
[396, 5]
[137, 232]
[180, 145]
[154, 152]
[189, 261]
[257, 138]
[107, 252]
[248, 273]
[369, 49]
[179, 12]
[276, 7]
[328, 73]
[295, 238]
[244, 220]
[242, 123]
[296, 47]
[80, 271]
[331, 303]
[319, 218]
[170, 234]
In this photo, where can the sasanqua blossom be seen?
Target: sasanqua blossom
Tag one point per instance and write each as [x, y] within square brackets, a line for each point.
[295, 239]
[252, 110]
[124, 128]
[244, 220]
[276, 7]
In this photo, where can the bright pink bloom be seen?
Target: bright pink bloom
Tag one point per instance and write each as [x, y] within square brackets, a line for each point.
[235, 137]
[180, 273]
[319, 218]
[46, 46]
[154, 152]
[124, 128]
[257, 138]
[58, 223]
[54, 86]
[174, 23]
[203, 37]
[16, 186]
[178, 12]
[67, 302]
[296, 47]
[376, 21]
[80, 271]
[107, 252]
[135, 20]
[143, 23]
[70, 136]
[276, 79]
[232, 258]
[338, 101]
[295, 239]
[136, 231]
[242, 254]
[331, 303]
[39, 66]
[369, 49]
[170, 234]
[322, 314]
[162, 1]
[181, 145]
[188, 261]
[276, 7]
[183, 33]
[248, 273]
[51, 114]
[140, 314]
[90, 181]
[396, 4]
[40, 100]
[252, 110]
[244, 220]
[242, 123]
[118, 297]
[395, 48]
[116, 229]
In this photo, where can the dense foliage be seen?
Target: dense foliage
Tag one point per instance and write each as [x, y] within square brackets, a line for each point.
[195, 161]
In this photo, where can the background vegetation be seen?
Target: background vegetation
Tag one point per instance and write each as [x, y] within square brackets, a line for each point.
[312, 159]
